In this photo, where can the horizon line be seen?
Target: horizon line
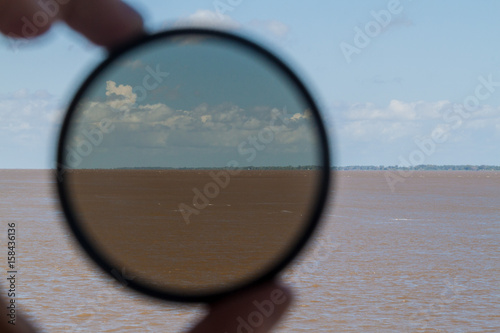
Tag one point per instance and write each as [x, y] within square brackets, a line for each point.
[359, 166]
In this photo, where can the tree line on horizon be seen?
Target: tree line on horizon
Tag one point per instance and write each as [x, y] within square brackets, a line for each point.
[422, 167]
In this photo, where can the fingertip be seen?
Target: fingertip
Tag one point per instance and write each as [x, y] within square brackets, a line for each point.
[108, 23]
[23, 19]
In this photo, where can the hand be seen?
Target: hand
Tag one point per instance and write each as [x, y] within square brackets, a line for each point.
[109, 23]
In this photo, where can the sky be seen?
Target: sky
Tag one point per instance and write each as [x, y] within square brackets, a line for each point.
[398, 82]
[192, 102]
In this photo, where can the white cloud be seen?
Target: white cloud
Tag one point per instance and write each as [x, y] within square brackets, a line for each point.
[298, 116]
[372, 134]
[382, 133]
[134, 64]
[275, 28]
[29, 121]
[121, 90]
[208, 18]
[367, 121]
[206, 118]
[252, 123]
[396, 110]
[157, 125]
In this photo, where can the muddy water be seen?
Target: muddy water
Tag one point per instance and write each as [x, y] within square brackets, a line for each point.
[193, 230]
[424, 258]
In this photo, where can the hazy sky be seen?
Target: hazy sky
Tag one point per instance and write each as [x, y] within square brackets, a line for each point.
[400, 82]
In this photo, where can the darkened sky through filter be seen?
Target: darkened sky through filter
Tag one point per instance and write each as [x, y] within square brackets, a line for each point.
[193, 102]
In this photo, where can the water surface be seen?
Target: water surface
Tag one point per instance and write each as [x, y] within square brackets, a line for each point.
[424, 258]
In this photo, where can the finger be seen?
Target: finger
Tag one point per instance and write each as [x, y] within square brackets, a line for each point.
[16, 19]
[255, 310]
[104, 22]
[107, 23]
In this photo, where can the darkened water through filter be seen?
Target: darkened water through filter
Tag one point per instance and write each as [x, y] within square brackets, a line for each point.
[424, 258]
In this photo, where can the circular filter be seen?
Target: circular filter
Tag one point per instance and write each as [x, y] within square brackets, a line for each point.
[192, 163]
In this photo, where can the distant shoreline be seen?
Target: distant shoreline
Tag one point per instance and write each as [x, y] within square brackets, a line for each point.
[419, 168]
[334, 168]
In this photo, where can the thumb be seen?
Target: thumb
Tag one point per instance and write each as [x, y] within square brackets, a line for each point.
[254, 310]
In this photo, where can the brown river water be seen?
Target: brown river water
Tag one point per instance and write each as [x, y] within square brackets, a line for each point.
[422, 258]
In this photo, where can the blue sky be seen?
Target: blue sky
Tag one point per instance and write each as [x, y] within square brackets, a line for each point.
[420, 86]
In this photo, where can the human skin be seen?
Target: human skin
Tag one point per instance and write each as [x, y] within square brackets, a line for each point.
[109, 23]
